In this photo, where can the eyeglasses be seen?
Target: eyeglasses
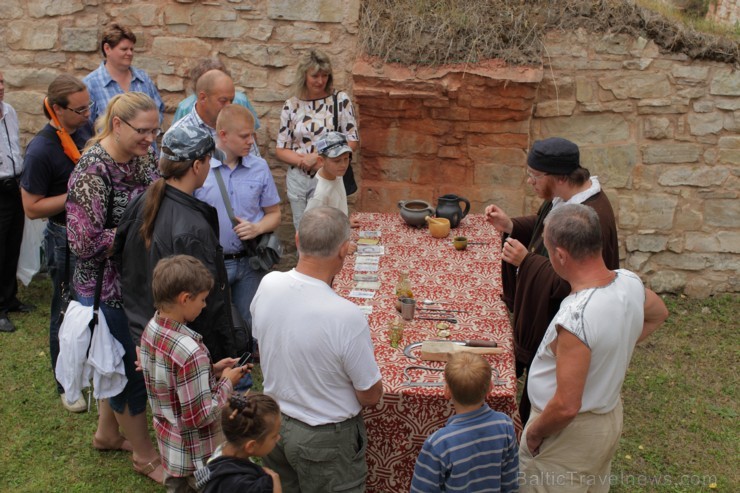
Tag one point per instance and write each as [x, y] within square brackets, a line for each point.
[536, 177]
[154, 132]
[83, 110]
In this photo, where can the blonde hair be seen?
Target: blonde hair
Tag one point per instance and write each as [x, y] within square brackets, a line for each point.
[468, 377]
[231, 115]
[125, 106]
[315, 61]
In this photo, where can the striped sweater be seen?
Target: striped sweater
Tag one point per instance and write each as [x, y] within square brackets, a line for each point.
[474, 452]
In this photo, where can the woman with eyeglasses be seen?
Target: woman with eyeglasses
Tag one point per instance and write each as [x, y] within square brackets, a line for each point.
[117, 165]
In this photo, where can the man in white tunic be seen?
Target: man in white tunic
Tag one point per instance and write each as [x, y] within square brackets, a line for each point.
[578, 371]
[318, 362]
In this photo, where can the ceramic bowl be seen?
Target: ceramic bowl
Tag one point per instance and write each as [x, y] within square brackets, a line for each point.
[460, 242]
[439, 227]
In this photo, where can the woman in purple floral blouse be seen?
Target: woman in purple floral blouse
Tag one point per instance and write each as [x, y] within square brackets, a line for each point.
[117, 165]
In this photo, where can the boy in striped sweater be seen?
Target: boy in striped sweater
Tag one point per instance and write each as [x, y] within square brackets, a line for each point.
[476, 450]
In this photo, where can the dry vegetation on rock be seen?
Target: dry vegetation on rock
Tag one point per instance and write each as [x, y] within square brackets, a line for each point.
[436, 32]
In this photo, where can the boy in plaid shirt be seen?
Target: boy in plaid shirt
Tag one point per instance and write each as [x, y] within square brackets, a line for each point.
[186, 392]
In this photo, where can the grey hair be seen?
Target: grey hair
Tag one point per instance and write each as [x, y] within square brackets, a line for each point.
[322, 231]
[574, 228]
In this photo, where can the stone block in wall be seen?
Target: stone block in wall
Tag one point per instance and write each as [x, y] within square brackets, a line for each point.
[29, 78]
[731, 104]
[699, 288]
[141, 14]
[703, 106]
[545, 109]
[153, 65]
[662, 106]
[456, 176]
[487, 173]
[520, 141]
[693, 176]
[639, 86]
[48, 8]
[220, 29]
[585, 129]
[261, 55]
[705, 123]
[520, 127]
[654, 211]
[689, 216]
[559, 87]
[584, 90]
[454, 113]
[722, 241]
[637, 63]
[302, 32]
[613, 164]
[384, 197]
[171, 83]
[50, 59]
[667, 282]
[619, 106]
[691, 92]
[29, 35]
[674, 153]
[308, 10]
[683, 261]
[268, 96]
[635, 261]
[726, 82]
[638, 45]
[29, 102]
[613, 44]
[10, 9]
[245, 75]
[81, 39]
[179, 14]
[657, 128]
[732, 121]
[646, 242]
[383, 170]
[690, 74]
[722, 212]
[177, 47]
[498, 156]
[396, 142]
[499, 115]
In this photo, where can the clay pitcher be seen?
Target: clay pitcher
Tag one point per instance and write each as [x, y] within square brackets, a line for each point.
[448, 206]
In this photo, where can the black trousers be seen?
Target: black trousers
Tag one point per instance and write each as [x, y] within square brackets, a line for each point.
[11, 234]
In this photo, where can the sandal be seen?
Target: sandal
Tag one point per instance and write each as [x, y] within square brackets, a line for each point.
[153, 470]
[121, 444]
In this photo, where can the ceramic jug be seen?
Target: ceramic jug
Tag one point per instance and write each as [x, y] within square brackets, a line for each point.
[414, 212]
[448, 206]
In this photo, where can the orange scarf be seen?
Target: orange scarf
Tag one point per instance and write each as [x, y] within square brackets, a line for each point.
[68, 145]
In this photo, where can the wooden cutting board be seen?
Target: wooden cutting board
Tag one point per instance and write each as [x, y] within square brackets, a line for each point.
[439, 350]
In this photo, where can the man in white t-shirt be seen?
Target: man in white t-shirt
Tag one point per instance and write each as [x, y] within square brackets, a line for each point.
[577, 374]
[318, 362]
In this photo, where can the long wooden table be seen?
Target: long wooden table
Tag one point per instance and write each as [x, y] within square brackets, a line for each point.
[471, 280]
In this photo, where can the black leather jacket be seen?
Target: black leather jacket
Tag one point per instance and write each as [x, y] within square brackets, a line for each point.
[184, 225]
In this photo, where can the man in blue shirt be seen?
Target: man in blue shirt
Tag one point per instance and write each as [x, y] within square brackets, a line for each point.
[115, 75]
[50, 158]
[476, 450]
[252, 194]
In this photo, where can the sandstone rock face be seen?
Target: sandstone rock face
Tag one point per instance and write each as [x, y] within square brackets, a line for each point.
[661, 131]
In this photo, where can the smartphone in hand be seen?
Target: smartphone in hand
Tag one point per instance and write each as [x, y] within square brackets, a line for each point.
[243, 360]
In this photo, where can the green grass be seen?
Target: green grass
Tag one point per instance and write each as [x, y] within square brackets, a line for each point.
[680, 401]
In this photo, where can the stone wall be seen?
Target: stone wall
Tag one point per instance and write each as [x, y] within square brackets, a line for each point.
[725, 11]
[660, 131]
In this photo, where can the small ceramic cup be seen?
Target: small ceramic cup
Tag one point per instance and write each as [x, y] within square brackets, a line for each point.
[460, 242]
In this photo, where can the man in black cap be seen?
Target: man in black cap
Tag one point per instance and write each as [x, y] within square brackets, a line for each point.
[531, 289]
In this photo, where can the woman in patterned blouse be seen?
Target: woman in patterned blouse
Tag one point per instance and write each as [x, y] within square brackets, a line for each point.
[117, 165]
[305, 118]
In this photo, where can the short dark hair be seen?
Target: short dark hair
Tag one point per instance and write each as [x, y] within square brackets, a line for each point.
[179, 274]
[468, 377]
[574, 228]
[114, 34]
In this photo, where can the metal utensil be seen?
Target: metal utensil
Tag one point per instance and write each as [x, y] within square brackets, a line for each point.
[443, 310]
[432, 302]
[410, 383]
[440, 319]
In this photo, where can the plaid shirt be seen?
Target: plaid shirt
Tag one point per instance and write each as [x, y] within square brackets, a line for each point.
[102, 88]
[185, 397]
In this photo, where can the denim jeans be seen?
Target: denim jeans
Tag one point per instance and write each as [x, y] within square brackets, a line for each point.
[55, 246]
[134, 394]
[244, 282]
[300, 189]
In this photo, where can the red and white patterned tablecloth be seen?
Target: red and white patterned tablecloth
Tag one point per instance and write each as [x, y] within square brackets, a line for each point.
[471, 279]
